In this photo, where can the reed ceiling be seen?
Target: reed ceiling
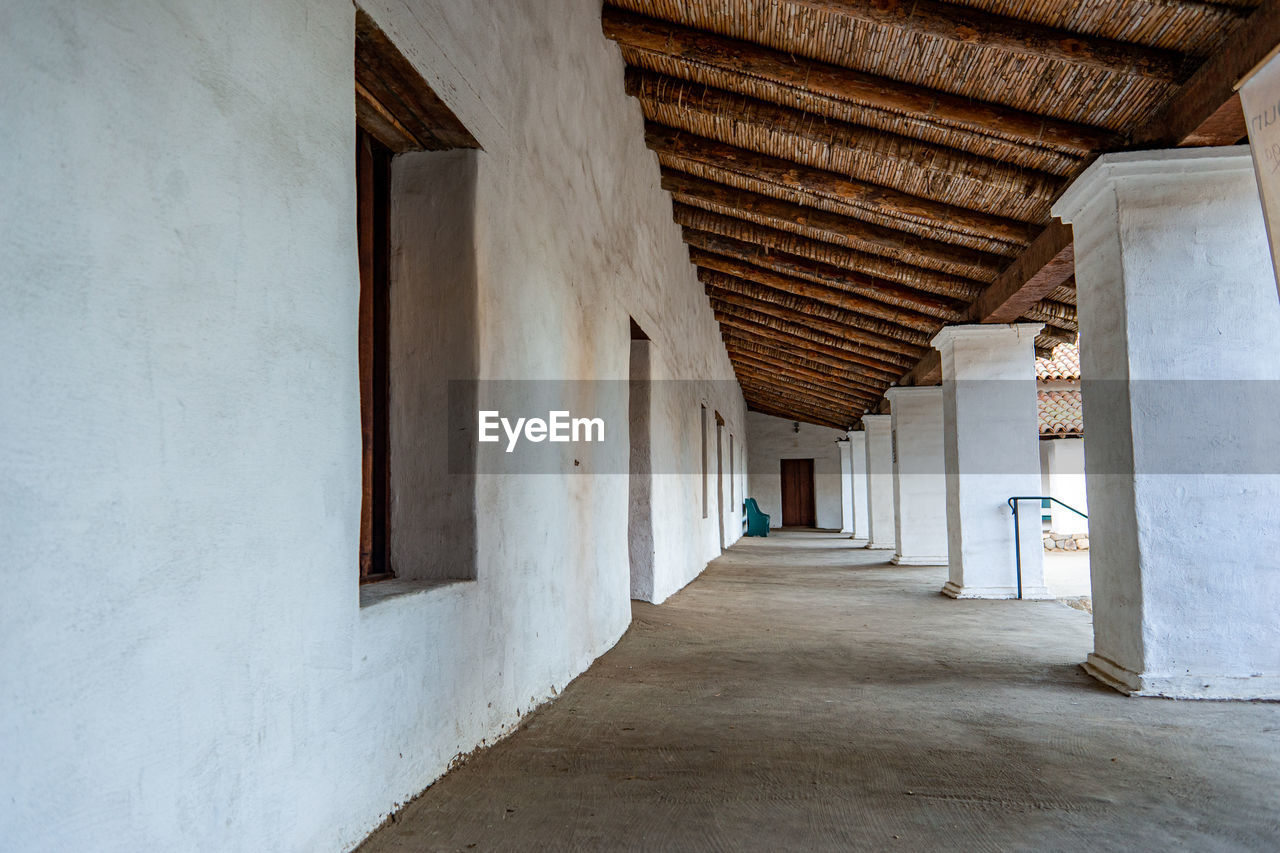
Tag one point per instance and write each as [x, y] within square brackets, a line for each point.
[851, 175]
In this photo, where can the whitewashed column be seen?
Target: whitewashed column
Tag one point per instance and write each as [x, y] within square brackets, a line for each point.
[858, 459]
[880, 526]
[992, 439]
[919, 476]
[1180, 344]
[846, 488]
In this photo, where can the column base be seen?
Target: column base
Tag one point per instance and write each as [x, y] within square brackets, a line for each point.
[880, 546]
[902, 560]
[846, 529]
[1029, 593]
[1181, 686]
[856, 542]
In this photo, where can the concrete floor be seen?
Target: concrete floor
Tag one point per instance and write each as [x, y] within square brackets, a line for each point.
[803, 695]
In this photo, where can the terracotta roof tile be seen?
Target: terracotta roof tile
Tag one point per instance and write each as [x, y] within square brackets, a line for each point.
[1060, 413]
[1063, 364]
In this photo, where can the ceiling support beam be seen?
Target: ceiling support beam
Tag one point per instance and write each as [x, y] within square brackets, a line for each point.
[1046, 263]
[842, 229]
[794, 350]
[734, 290]
[775, 243]
[755, 320]
[765, 377]
[887, 295]
[884, 201]
[733, 56]
[786, 366]
[775, 410]
[968, 26]
[1211, 87]
[907, 320]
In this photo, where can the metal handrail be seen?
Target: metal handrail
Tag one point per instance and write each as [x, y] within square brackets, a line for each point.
[1017, 540]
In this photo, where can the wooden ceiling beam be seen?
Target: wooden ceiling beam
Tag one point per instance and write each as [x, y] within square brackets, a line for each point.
[817, 398]
[1196, 108]
[784, 356]
[974, 27]
[775, 243]
[905, 319]
[777, 410]
[798, 178]
[801, 386]
[660, 93]
[742, 58]
[1196, 105]
[781, 360]
[732, 289]
[792, 349]
[762, 323]
[877, 238]
[887, 294]
[817, 395]
[1046, 264]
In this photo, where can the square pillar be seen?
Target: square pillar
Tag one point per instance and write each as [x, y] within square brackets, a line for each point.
[846, 488]
[919, 477]
[992, 454]
[880, 527]
[1179, 321]
[858, 460]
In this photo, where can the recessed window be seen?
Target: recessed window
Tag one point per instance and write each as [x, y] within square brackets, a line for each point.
[417, 324]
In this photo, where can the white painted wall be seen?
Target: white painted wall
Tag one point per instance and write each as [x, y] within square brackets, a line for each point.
[1063, 460]
[773, 439]
[187, 664]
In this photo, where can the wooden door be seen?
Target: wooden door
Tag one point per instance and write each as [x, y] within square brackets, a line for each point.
[798, 508]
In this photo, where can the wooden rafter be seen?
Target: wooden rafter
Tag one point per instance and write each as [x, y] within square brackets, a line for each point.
[837, 218]
[748, 294]
[775, 242]
[752, 317]
[897, 322]
[974, 27]
[833, 226]
[890, 203]
[883, 296]
[743, 58]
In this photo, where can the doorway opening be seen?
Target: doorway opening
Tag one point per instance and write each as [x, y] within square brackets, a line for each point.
[640, 469]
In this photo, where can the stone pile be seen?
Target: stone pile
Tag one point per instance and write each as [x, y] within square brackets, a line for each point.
[1066, 541]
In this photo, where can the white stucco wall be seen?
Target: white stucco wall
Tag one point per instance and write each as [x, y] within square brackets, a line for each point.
[1063, 460]
[773, 439]
[186, 662]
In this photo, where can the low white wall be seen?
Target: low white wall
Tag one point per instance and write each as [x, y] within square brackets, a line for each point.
[186, 662]
[773, 439]
[1063, 460]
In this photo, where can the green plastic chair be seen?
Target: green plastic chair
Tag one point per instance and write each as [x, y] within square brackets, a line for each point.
[757, 521]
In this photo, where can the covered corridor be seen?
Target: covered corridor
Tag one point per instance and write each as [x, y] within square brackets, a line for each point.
[804, 694]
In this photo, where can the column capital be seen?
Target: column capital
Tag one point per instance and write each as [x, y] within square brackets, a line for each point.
[906, 392]
[994, 333]
[1167, 164]
[876, 422]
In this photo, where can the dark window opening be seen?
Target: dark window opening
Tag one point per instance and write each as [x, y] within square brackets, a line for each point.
[373, 215]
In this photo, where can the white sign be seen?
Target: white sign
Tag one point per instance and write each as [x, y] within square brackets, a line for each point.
[1260, 97]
